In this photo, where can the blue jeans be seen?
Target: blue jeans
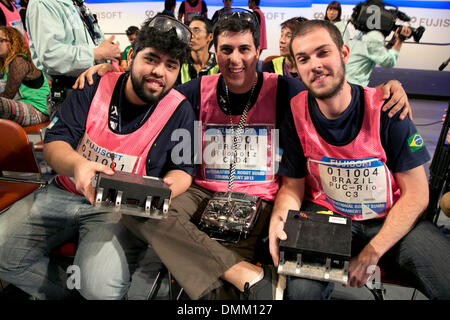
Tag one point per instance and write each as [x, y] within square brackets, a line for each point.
[108, 257]
[306, 289]
[422, 257]
[35, 226]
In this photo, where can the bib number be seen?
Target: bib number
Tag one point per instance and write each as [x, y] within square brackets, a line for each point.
[93, 152]
[253, 156]
[355, 186]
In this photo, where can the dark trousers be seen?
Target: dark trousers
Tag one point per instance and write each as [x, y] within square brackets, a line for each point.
[194, 259]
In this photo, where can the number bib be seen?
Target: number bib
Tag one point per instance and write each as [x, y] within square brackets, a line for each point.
[355, 186]
[253, 161]
[93, 152]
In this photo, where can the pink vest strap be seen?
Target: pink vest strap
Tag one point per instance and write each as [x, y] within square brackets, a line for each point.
[135, 145]
[262, 30]
[368, 186]
[13, 19]
[261, 115]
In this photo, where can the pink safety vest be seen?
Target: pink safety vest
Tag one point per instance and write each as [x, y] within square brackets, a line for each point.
[190, 11]
[130, 150]
[13, 19]
[255, 179]
[352, 180]
[262, 30]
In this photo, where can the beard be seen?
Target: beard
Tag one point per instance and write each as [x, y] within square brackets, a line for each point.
[335, 88]
[146, 95]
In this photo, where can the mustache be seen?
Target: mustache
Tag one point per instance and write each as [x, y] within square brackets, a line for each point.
[154, 77]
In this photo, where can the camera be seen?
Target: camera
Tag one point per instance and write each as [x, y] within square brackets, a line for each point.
[364, 10]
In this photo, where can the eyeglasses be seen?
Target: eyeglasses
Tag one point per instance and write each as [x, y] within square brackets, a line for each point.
[3, 40]
[197, 30]
[166, 23]
[238, 13]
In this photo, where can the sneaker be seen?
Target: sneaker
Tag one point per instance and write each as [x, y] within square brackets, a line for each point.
[263, 289]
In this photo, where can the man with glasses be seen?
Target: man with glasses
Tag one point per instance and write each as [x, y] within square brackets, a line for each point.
[130, 116]
[201, 61]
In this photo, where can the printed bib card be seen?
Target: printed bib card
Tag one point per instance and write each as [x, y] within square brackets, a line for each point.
[254, 157]
[93, 152]
[355, 186]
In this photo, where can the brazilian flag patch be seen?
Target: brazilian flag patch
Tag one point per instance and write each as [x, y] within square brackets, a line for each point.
[415, 142]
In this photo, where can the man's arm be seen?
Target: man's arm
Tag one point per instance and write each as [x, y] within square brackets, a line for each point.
[66, 161]
[399, 221]
[289, 197]
[398, 99]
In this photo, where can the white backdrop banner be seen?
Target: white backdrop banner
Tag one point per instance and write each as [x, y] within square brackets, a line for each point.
[115, 16]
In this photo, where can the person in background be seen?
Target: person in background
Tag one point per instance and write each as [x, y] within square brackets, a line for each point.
[169, 8]
[23, 12]
[226, 8]
[201, 61]
[368, 49]
[254, 5]
[285, 65]
[333, 14]
[191, 8]
[24, 88]
[9, 16]
[65, 40]
[131, 32]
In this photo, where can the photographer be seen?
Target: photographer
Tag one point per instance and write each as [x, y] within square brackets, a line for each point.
[368, 49]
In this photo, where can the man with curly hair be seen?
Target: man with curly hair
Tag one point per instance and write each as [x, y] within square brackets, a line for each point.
[131, 116]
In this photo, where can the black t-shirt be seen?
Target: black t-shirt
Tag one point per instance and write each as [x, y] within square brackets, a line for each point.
[394, 134]
[70, 125]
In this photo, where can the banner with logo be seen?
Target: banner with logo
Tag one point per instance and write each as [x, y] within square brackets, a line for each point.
[115, 16]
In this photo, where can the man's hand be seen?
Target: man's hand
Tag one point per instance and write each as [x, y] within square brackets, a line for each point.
[359, 265]
[108, 50]
[100, 69]
[84, 171]
[276, 234]
[398, 100]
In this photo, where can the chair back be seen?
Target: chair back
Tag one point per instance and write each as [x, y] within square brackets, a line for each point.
[17, 154]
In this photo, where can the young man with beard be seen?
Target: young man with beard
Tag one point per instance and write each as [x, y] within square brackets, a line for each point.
[332, 125]
[128, 119]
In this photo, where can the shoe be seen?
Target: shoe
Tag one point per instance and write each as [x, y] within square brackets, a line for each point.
[263, 289]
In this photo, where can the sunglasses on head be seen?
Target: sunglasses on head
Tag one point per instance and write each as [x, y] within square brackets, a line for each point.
[241, 14]
[166, 23]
